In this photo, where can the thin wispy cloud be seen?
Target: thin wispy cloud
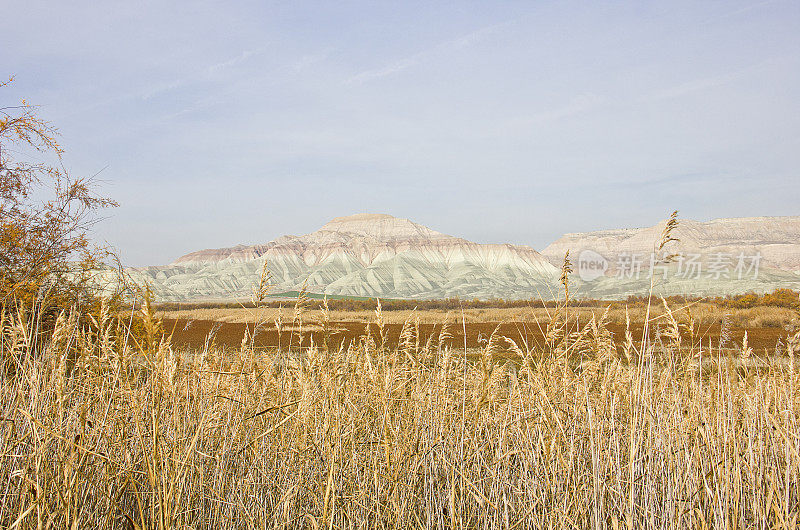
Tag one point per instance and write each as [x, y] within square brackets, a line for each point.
[395, 105]
[397, 66]
[690, 87]
[705, 83]
[233, 61]
[312, 59]
[451, 45]
[573, 106]
[577, 105]
[160, 88]
[751, 7]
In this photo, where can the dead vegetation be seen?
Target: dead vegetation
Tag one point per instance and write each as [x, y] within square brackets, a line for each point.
[106, 428]
[704, 313]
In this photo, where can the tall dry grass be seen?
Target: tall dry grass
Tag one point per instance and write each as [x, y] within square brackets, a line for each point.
[104, 428]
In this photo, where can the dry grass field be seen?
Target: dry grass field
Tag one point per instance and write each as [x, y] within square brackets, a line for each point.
[765, 325]
[107, 425]
[703, 313]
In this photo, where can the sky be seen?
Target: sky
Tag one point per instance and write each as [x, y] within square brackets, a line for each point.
[216, 123]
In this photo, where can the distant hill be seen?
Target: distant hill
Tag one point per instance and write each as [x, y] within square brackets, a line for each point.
[372, 255]
[719, 257]
[377, 255]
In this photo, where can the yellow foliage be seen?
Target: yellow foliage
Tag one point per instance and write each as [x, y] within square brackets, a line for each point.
[44, 250]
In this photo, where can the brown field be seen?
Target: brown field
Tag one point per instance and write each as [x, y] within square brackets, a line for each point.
[193, 334]
[765, 326]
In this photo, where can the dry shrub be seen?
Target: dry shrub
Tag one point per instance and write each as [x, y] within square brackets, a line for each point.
[46, 259]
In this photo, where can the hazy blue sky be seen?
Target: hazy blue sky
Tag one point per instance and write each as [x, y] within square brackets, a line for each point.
[235, 122]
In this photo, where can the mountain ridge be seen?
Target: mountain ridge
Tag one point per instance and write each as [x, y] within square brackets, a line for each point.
[378, 255]
[776, 238]
[359, 255]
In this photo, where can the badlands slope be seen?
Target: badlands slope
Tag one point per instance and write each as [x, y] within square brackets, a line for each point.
[777, 239]
[371, 255]
[774, 242]
[379, 255]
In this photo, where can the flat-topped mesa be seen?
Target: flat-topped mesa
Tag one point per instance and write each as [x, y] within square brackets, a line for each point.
[376, 230]
[382, 227]
[773, 239]
[374, 255]
[237, 253]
